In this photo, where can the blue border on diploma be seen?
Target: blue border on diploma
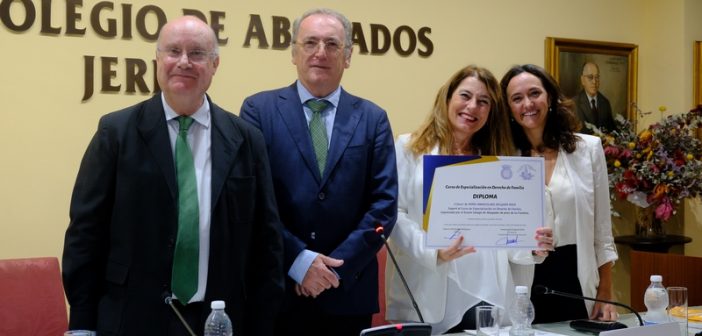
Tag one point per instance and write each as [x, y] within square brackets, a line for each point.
[431, 162]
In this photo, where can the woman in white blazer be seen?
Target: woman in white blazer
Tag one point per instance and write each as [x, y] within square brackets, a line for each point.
[467, 119]
[577, 196]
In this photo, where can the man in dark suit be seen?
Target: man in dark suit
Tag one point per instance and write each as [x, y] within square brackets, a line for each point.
[162, 211]
[335, 179]
[590, 104]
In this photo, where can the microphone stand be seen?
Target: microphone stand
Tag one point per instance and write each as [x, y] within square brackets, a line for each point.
[578, 297]
[169, 301]
[381, 232]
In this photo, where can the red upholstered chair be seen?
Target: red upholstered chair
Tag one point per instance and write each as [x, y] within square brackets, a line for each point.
[31, 297]
[379, 318]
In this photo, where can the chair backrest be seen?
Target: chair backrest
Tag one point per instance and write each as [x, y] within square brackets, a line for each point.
[31, 297]
[676, 269]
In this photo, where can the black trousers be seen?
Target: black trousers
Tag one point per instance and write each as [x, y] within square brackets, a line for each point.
[558, 272]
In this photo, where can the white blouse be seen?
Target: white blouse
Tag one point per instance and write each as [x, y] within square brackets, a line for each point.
[560, 204]
[444, 291]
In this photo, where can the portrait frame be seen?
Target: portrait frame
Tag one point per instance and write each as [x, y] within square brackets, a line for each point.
[697, 79]
[617, 63]
[697, 73]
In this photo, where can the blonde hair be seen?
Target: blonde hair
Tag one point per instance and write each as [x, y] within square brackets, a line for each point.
[494, 138]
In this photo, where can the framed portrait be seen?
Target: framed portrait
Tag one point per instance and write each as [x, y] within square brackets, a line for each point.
[600, 77]
[697, 79]
[697, 73]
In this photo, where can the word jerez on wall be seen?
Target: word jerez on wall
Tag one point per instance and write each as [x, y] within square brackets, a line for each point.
[19, 16]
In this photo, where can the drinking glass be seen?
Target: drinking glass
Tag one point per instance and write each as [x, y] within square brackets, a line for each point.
[677, 307]
[487, 320]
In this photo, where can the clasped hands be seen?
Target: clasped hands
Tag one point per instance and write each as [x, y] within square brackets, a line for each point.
[319, 277]
[544, 237]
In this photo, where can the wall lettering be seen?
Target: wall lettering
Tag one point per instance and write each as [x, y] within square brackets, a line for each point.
[126, 21]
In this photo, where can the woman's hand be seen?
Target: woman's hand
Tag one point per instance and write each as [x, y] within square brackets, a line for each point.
[604, 312]
[544, 237]
[454, 251]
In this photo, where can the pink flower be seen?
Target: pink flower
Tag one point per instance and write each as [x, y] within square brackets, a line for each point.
[611, 151]
[664, 210]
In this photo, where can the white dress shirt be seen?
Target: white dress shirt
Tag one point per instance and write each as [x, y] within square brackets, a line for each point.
[199, 139]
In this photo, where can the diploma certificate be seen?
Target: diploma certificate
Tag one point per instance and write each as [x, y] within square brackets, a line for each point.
[493, 201]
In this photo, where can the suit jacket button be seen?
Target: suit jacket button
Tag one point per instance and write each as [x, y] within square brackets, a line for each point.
[321, 196]
[313, 235]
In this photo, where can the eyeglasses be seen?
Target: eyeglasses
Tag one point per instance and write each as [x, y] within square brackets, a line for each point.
[195, 56]
[310, 46]
[592, 77]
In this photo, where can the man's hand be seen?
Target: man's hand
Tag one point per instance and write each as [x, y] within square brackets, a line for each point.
[454, 251]
[319, 276]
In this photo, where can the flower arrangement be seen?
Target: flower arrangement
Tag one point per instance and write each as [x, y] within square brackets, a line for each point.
[658, 167]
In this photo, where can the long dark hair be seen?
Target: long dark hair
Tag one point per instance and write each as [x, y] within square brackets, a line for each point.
[561, 123]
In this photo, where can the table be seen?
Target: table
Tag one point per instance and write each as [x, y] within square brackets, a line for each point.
[659, 244]
[564, 328]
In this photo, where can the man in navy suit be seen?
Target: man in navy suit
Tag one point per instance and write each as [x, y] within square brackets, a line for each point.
[332, 192]
[591, 105]
[126, 222]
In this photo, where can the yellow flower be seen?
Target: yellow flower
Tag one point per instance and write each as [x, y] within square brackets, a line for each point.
[662, 108]
[645, 135]
[690, 156]
[670, 174]
[631, 145]
[617, 164]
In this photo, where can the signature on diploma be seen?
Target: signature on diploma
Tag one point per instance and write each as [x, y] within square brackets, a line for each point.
[507, 240]
[454, 235]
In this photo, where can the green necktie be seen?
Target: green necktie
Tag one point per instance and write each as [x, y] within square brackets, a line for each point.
[186, 255]
[318, 132]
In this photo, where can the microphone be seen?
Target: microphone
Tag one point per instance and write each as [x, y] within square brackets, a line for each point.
[168, 299]
[543, 290]
[381, 232]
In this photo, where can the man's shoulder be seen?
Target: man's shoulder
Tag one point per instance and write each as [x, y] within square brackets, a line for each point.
[271, 95]
[360, 102]
[602, 97]
[128, 113]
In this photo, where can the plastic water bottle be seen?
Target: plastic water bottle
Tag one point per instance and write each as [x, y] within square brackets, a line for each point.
[218, 323]
[521, 313]
[656, 301]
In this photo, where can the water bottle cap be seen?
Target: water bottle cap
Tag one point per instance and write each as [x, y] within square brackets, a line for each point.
[217, 305]
[656, 278]
[521, 290]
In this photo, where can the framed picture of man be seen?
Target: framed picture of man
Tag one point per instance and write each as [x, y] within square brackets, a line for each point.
[697, 78]
[600, 77]
[697, 73]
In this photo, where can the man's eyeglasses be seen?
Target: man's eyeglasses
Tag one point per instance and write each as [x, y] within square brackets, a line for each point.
[331, 46]
[592, 77]
[195, 56]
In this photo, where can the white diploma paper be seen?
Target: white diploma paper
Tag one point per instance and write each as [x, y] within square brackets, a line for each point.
[493, 201]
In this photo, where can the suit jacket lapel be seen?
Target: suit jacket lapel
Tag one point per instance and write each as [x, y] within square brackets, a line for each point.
[290, 110]
[153, 129]
[226, 140]
[345, 123]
